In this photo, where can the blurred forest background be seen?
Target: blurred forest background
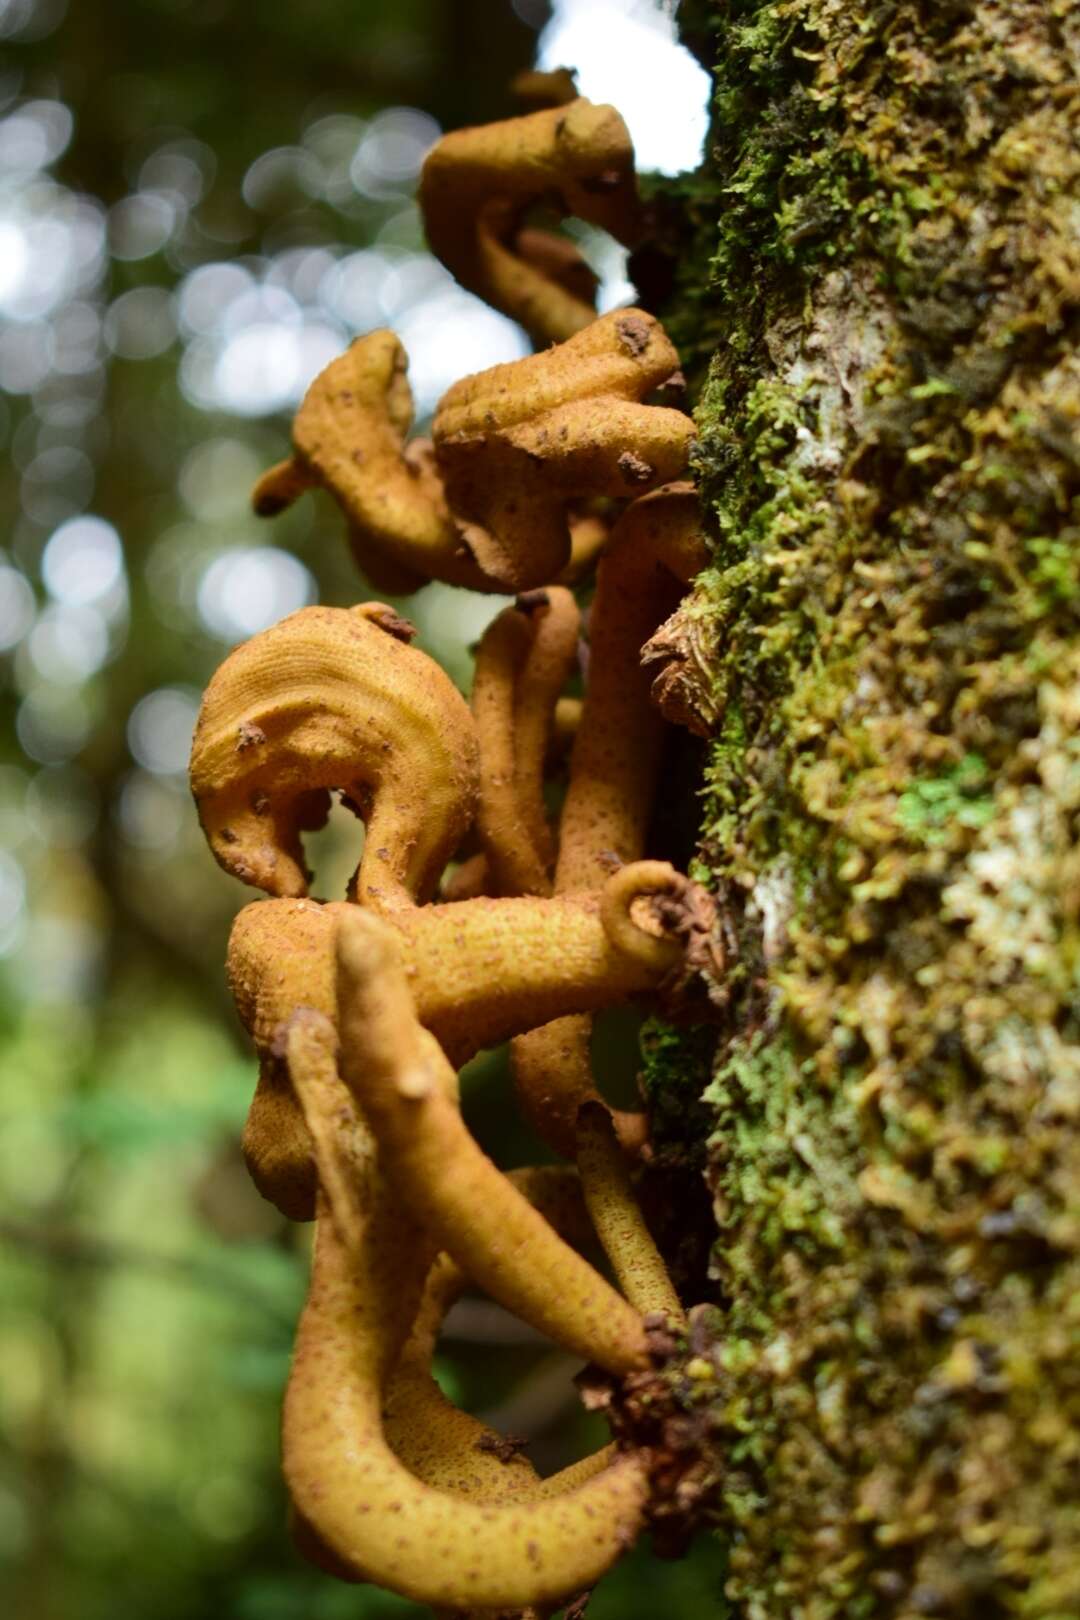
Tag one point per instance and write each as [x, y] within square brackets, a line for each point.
[201, 202]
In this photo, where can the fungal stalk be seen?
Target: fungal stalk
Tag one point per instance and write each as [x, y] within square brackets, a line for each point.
[655, 550]
[522, 663]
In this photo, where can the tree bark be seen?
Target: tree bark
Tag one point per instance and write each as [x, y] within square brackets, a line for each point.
[875, 281]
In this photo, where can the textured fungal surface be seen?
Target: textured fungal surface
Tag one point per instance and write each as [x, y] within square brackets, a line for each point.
[361, 1010]
[477, 184]
[884, 654]
[518, 442]
[335, 698]
[349, 437]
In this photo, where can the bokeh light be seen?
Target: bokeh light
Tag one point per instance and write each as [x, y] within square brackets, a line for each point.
[249, 589]
[658, 87]
[159, 730]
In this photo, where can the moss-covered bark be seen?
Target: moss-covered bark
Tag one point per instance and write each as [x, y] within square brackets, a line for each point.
[881, 265]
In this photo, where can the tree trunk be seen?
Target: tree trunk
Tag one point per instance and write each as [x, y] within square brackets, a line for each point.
[880, 262]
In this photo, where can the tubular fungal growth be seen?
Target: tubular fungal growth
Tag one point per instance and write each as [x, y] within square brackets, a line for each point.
[478, 913]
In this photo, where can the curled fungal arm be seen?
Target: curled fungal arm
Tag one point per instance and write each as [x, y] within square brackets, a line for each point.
[334, 698]
[349, 438]
[466, 1204]
[386, 1526]
[648, 910]
[517, 443]
[656, 548]
[369, 1516]
[477, 182]
[479, 971]
[438, 1442]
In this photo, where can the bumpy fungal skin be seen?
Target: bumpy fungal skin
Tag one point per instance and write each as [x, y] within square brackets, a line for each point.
[518, 442]
[665, 924]
[335, 698]
[616, 1215]
[388, 1526]
[440, 1173]
[515, 864]
[656, 549]
[886, 661]
[438, 1442]
[476, 183]
[349, 437]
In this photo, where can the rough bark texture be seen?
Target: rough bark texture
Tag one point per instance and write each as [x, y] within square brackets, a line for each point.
[880, 264]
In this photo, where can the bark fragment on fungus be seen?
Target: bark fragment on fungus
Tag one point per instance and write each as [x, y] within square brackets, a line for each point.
[334, 698]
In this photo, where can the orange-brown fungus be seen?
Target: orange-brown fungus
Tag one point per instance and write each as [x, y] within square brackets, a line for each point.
[655, 549]
[479, 971]
[335, 698]
[522, 663]
[517, 443]
[477, 184]
[349, 438]
[362, 1010]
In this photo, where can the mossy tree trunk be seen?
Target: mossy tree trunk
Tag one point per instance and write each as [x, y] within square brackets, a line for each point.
[880, 265]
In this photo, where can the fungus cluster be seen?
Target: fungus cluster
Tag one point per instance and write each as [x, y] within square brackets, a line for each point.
[363, 1009]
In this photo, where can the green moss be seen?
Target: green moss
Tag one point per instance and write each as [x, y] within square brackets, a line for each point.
[929, 807]
[675, 1070]
[875, 285]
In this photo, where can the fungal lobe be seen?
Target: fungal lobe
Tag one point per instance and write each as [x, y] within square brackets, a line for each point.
[349, 437]
[333, 698]
[517, 443]
[477, 183]
[370, 1267]
[480, 971]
